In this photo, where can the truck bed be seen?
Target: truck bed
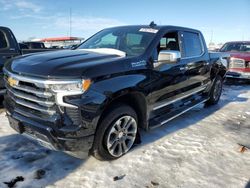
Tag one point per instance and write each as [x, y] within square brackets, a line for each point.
[224, 57]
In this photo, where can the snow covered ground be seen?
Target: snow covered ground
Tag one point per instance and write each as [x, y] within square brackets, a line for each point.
[198, 149]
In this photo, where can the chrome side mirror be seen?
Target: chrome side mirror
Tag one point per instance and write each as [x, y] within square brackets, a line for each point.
[169, 56]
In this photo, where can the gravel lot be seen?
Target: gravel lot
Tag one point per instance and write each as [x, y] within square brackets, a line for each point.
[199, 149]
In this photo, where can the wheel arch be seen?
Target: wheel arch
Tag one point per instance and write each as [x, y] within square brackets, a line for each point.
[218, 70]
[134, 99]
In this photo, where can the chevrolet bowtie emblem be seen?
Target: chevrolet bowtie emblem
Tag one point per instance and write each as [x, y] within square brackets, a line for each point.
[12, 82]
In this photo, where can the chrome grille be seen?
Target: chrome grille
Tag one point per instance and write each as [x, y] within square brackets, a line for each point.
[237, 64]
[31, 95]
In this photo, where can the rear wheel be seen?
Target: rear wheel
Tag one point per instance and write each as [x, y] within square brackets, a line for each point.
[1, 101]
[116, 133]
[216, 91]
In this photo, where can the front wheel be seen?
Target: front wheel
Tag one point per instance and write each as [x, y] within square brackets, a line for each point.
[116, 133]
[216, 91]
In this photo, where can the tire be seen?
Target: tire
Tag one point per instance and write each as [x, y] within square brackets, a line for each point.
[1, 101]
[215, 92]
[113, 132]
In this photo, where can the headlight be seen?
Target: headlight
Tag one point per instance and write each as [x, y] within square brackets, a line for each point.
[236, 63]
[68, 88]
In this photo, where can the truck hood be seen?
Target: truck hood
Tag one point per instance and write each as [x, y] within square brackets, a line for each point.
[65, 63]
[241, 55]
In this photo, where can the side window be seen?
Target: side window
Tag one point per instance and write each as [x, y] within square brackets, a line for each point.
[3, 42]
[192, 44]
[168, 42]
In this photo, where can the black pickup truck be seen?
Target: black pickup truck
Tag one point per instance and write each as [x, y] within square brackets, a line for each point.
[10, 48]
[99, 96]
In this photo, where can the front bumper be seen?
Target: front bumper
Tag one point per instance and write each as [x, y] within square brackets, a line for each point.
[47, 137]
[239, 75]
[34, 111]
[53, 134]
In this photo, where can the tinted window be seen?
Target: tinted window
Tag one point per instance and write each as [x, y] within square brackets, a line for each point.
[133, 39]
[23, 46]
[165, 41]
[36, 45]
[236, 47]
[169, 42]
[107, 41]
[3, 42]
[192, 44]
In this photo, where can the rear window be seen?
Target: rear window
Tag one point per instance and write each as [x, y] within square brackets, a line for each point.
[3, 42]
[192, 44]
[36, 45]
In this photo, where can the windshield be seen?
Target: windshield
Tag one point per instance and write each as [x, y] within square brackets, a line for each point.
[132, 41]
[236, 47]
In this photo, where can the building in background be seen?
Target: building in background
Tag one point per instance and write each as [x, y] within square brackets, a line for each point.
[60, 42]
[214, 47]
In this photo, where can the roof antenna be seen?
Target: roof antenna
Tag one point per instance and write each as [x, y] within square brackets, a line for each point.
[152, 24]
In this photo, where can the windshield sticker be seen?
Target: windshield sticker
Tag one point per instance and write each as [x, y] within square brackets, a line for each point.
[148, 30]
[139, 63]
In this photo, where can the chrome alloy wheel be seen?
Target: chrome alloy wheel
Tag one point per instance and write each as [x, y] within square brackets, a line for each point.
[121, 136]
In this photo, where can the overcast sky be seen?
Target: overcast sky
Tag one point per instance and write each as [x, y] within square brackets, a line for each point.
[221, 20]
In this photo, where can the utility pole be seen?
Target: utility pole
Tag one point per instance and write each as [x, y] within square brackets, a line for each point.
[70, 22]
[212, 34]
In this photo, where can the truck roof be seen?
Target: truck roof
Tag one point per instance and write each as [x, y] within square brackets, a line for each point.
[158, 27]
[240, 41]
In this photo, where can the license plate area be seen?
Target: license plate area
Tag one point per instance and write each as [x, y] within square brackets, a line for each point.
[16, 125]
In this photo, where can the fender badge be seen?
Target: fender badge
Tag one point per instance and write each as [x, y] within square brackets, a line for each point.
[138, 63]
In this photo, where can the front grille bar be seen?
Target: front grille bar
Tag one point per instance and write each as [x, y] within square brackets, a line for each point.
[36, 93]
[30, 98]
[33, 106]
[32, 90]
[237, 65]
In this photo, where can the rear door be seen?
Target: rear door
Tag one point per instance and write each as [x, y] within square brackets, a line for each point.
[169, 80]
[196, 59]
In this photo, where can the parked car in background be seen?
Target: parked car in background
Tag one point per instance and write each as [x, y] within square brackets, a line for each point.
[9, 48]
[239, 64]
[23, 46]
[35, 45]
[97, 97]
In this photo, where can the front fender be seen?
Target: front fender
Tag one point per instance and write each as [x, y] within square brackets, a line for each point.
[94, 101]
[116, 85]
